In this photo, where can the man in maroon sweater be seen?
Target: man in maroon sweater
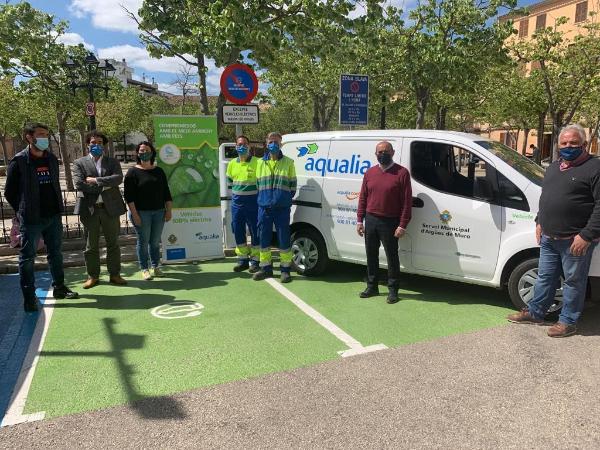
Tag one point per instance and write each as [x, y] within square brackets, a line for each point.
[385, 207]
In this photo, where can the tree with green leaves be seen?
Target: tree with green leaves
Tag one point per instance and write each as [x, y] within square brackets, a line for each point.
[230, 32]
[32, 50]
[446, 48]
[12, 113]
[568, 68]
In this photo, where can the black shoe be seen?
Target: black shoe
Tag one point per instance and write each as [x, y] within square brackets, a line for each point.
[64, 292]
[241, 266]
[253, 268]
[31, 304]
[261, 275]
[392, 297]
[369, 292]
[285, 277]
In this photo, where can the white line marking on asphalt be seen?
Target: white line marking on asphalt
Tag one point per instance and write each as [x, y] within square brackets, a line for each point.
[14, 414]
[355, 347]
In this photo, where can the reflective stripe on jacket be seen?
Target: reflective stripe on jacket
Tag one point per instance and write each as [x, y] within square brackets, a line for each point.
[276, 181]
[241, 178]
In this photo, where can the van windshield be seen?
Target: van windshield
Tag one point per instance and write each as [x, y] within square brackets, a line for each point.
[520, 163]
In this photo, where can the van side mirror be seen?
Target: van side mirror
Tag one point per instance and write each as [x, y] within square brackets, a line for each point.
[483, 189]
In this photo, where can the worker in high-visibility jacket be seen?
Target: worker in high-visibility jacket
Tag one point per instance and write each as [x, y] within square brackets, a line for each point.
[241, 177]
[276, 179]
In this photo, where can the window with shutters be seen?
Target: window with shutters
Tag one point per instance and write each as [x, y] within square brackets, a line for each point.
[523, 27]
[540, 21]
[581, 12]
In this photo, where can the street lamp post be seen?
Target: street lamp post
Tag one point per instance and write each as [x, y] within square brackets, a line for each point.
[92, 68]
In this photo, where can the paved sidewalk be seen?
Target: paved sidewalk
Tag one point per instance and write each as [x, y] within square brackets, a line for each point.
[72, 254]
[508, 387]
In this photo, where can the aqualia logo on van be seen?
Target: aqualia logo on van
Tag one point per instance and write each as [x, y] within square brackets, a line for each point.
[354, 165]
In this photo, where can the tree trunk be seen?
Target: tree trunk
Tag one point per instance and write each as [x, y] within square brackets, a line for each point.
[382, 113]
[220, 103]
[540, 136]
[556, 126]
[422, 94]
[61, 119]
[202, 84]
[330, 112]
[525, 135]
[316, 119]
[440, 117]
[593, 134]
[111, 147]
[82, 144]
[4, 152]
[514, 137]
[182, 103]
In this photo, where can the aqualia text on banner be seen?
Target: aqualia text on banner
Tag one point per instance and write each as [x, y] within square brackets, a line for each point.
[187, 148]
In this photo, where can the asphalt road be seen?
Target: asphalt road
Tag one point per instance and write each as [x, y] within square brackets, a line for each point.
[507, 387]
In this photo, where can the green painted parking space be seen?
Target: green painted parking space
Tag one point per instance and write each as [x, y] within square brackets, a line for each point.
[429, 308]
[106, 348]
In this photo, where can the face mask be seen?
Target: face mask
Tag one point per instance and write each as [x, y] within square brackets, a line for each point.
[42, 143]
[146, 156]
[242, 150]
[273, 148]
[384, 159]
[570, 153]
[96, 150]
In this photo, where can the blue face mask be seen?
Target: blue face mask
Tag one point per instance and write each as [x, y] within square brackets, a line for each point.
[242, 150]
[273, 148]
[96, 150]
[42, 143]
[570, 153]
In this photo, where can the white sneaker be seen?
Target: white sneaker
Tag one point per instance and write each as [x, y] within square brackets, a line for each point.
[146, 275]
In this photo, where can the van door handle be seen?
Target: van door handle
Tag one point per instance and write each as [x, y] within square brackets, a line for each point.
[417, 202]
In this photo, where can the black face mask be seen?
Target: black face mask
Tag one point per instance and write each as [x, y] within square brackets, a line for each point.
[384, 159]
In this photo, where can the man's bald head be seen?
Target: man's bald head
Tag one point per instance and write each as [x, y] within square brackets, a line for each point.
[384, 146]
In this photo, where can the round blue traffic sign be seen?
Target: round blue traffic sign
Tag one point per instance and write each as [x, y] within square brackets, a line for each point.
[239, 84]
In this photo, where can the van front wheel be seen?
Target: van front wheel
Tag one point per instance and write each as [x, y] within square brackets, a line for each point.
[521, 283]
[309, 253]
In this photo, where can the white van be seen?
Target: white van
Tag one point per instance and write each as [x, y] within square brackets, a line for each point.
[474, 204]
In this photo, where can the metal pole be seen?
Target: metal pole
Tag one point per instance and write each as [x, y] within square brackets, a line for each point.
[91, 97]
[124, 147]
[238, 130]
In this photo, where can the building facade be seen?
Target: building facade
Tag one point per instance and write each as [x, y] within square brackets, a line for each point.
[542, 15]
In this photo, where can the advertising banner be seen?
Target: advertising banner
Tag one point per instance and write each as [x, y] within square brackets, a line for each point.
[187, 150]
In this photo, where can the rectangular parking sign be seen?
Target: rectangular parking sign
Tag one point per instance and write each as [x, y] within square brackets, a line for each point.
[354, 99]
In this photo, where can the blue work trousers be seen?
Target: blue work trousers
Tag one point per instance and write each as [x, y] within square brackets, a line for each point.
[245, 218]
[280, 218]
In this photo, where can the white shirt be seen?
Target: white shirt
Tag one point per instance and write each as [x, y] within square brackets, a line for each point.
[98, 169]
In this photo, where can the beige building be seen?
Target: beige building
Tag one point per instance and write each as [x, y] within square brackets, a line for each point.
[541, 15]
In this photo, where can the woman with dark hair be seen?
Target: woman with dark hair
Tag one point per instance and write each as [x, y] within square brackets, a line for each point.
[149, 200]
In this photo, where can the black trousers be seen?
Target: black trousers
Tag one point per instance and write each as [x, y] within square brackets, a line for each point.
[380, 230]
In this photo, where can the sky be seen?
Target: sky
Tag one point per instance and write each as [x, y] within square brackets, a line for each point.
[104, 28]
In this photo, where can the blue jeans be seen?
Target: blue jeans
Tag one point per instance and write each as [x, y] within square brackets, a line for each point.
[149, 233]
[554, 254]
[51, 230]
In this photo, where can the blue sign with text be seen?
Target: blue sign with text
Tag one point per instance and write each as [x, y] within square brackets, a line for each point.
[354, 100]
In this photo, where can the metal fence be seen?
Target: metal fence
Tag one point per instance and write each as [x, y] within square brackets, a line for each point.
[72, 227]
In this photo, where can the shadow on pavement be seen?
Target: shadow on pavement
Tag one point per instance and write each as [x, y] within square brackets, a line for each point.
[160, 408]
[419, 287]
